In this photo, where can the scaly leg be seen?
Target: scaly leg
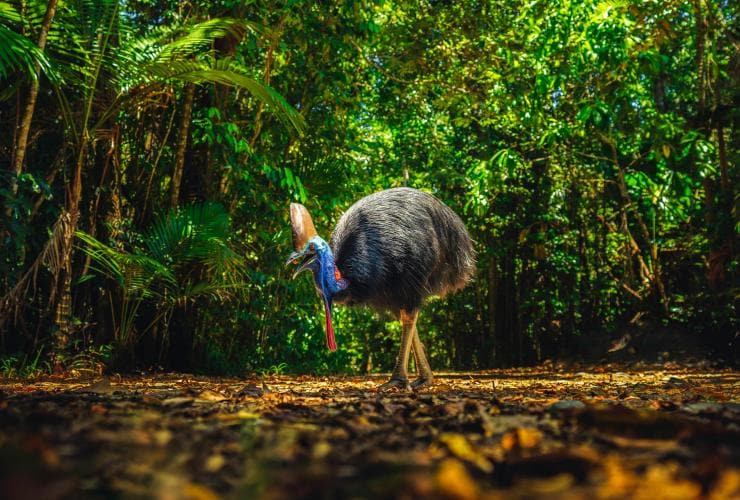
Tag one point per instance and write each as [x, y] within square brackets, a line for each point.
[424, 374]
[400, 377]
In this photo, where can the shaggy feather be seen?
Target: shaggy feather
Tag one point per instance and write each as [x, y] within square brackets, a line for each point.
[399, 246]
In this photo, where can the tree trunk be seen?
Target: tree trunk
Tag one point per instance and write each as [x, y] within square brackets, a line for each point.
[64, 306]
[25, 126]
[655, 276]
[266, 79]
[506, 311]
[701, 30]
[493, 280]
[182, 142]
[719, 193]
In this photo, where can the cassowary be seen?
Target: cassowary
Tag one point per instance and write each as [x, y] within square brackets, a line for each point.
[389, 251]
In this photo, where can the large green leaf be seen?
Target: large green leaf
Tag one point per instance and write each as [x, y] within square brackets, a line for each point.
[19, 54]
[226, 72]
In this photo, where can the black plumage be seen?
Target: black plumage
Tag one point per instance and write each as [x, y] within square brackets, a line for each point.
[399, 246]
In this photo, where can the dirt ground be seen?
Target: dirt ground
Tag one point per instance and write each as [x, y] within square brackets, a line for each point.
[617, 431]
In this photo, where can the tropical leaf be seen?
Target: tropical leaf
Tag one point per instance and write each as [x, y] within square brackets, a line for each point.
[201, 36]
[19, 54]
[187, 258]
[187, 232]
[8, 13]
[136, 274]
[226, 72]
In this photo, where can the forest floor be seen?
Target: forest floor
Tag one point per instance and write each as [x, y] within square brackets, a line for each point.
[614, 431]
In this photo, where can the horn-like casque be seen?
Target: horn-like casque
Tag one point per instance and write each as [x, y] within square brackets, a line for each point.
[302, 224]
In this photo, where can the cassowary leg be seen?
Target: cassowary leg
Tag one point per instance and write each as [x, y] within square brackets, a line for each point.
[400, 377]
[424, 374]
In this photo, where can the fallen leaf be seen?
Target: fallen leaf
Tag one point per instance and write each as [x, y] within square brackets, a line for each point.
[550, 485]
[177, 401]
[461, 448]
[209, 396]
[727, 486]
[98, 409]
[320, 450]
[215, 462]
[192, 491]
[454, 481]
[162, 437]
[522, 438]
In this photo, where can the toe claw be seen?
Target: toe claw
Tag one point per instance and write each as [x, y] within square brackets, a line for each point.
[421, 382]
[400, 383]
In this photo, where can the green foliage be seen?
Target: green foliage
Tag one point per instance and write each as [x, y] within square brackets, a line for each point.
[186, 258]
[18, 54]
[24, 365]
[591, 148]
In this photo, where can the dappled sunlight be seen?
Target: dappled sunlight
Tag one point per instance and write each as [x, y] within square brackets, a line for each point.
[585, 432]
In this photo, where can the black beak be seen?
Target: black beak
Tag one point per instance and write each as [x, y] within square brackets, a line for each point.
[308, 259]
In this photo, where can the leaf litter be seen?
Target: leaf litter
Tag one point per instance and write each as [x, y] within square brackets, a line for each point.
[614, 431]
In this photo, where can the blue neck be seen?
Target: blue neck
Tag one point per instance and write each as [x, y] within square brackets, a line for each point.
[325, 278]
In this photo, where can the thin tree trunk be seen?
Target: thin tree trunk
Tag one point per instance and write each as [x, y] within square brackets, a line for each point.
[25, 126]
[266, 79]
[584, 286]
[701, 30]
[655, 276]
[64, 306]
[493, 280]
[720, 199]
[182, 142]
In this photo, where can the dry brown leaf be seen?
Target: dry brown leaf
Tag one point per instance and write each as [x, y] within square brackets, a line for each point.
[209, 396]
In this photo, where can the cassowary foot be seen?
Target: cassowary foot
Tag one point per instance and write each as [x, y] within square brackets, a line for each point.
[395, 382]
[422, 382]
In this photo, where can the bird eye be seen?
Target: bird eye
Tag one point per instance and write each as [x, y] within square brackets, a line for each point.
[312, 247]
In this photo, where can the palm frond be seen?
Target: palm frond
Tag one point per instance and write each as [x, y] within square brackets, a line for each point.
[187, 233]
[187, 258]
[136, 274]
[19, 54]
[226, 73]
[201, 36]
[51, 257]
[196, 237]
[8, 13]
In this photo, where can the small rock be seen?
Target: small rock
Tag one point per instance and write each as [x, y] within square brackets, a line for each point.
[705, 407]
[250, 391]
[177, 401]
[678, 383]
[566, 405]
[102, 386]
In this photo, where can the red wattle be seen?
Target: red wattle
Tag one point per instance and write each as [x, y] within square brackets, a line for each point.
[330, 342]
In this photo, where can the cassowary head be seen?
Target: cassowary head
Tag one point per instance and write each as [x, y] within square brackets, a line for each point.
[314, 254]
